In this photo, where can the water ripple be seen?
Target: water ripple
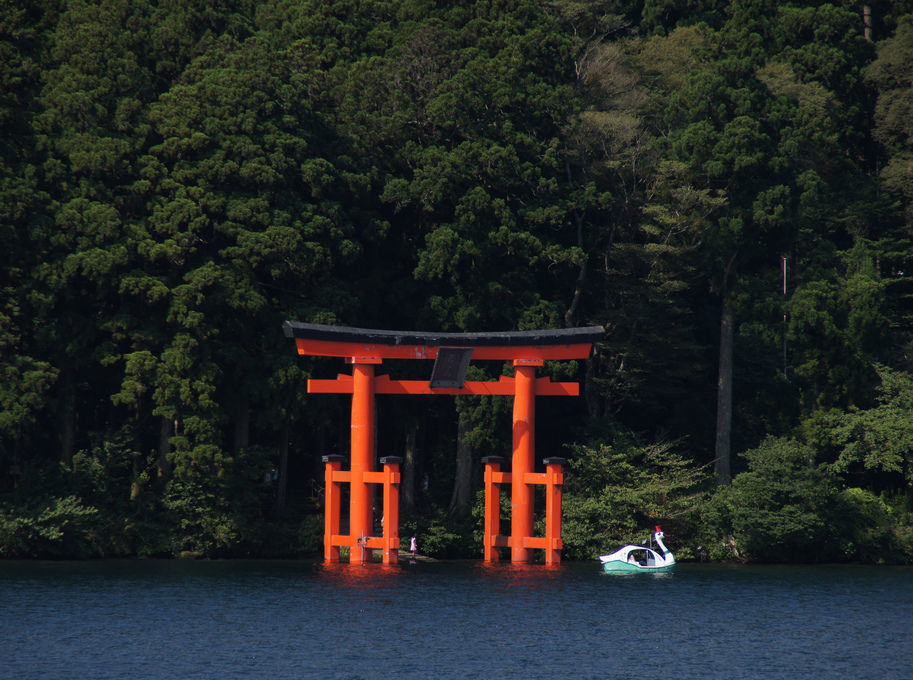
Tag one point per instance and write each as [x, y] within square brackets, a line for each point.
[464, 620]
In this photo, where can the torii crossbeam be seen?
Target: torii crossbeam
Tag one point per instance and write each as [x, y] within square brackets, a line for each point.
[367, 348]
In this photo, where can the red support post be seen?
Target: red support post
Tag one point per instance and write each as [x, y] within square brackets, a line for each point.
[492, 528]
[391, 508]
[554, 479]
[331, 499]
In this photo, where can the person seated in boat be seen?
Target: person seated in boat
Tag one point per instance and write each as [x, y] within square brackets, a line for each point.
[632, 558]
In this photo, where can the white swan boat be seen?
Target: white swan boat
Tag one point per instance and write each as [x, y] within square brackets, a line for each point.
[636, 558]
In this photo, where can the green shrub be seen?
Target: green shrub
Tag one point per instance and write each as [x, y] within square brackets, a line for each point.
[61, 527]
[202, 523]
[780, 510]
[446, 537]
[874, 529]
[615, 494]
[310, 535]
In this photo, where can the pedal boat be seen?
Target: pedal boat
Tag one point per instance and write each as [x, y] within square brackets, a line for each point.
[637, 558]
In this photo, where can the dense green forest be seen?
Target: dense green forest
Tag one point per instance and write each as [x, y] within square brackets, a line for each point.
[725, 186]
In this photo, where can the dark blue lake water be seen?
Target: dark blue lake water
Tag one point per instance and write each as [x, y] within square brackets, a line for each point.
[271, 620]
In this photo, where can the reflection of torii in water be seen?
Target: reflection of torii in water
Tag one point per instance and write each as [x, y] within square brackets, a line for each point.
[366, 348]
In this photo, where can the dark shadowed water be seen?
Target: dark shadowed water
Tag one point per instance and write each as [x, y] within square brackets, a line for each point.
[289, 620]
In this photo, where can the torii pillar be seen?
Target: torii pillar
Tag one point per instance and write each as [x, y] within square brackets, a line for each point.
[365, 349]
[361, 516]
[524, 449]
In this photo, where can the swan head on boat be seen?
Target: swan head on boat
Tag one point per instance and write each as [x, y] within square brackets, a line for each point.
[658, 536]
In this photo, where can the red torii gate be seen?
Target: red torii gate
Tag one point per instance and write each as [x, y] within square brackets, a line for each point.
[367, 348]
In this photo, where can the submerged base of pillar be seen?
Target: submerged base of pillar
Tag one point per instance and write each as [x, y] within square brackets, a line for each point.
[522, 547]
[361, 548]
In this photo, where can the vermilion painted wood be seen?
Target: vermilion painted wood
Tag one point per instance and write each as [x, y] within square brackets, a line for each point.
[366, 348]
[493, 480]
[331, 513]
[390, 545]
[553, 482]
[361, 511]
[383, 384]
[521, 494]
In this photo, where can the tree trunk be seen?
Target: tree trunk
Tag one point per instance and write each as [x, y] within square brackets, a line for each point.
[570, 314]
[589, 388]
[724, 398]
[407, 488]
[462, 483]
[68, 421]
[135, 487]
[282, 482]
[165, 432]
[242, 427]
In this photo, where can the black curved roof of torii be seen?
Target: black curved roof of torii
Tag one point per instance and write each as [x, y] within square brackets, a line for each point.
[558, 336]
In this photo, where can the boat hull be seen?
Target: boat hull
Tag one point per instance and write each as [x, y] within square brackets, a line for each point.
[620, 567]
